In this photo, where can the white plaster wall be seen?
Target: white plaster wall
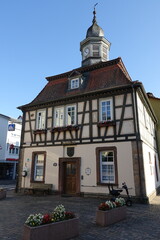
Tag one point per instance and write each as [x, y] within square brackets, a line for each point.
[129, 99]
[13, 137]
[87, 153]
[49, 112]
[146, 124]
[80, 106]
[150, 169]
[51, 172]
[119, 100]
[3, 136]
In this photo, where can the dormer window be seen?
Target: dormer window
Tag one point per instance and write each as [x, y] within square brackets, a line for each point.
[74, 83]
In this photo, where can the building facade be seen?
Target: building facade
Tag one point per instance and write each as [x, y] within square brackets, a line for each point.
[10, 135]
[155, 102]
[86, 129]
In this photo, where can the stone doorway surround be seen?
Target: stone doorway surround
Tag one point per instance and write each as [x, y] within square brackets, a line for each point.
[62, 165]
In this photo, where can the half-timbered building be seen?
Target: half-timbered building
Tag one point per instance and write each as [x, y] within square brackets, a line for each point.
[91, 127]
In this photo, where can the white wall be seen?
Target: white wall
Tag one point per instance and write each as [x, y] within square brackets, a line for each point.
[13, 137]
[146, 124]
[149, 148]
[150, 169]
[88, 160]
[3, 135]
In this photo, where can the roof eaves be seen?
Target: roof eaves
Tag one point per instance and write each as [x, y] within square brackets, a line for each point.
[75, 96]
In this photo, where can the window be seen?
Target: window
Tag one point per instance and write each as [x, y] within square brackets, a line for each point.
[14, 150]
[75, 83]
[106, 165]
[105, 52]
[105, 110]
[95, 50]
[41, 119]
[71, 115]
[38, 166]
[59, 117]
[17, 150]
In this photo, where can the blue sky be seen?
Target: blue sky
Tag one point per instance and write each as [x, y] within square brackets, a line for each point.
[41, 38]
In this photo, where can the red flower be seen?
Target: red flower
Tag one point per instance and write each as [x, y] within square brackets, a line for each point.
[103, 207]
[46, 218]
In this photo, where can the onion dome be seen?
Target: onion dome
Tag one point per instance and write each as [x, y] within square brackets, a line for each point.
[94, 30]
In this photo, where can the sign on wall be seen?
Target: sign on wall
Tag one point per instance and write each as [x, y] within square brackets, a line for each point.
[11, 127]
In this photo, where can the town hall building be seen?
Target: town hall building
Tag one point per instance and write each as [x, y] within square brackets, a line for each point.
[89, 128]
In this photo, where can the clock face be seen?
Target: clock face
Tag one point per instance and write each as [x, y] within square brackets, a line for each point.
[86, 51]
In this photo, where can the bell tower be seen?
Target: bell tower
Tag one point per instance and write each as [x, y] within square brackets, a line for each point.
[94, 48]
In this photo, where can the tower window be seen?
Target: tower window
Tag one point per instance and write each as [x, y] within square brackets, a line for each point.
[95, 50]
[104, 52]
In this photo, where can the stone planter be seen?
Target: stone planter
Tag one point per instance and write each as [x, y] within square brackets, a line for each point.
[2, 194]
[54, 231]
[105, 218]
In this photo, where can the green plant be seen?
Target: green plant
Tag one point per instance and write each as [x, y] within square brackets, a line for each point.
[108, 205]
[58, 214]
[34, 220]
[120, 202]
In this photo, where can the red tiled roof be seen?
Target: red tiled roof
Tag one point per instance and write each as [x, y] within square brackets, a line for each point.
[100, 76]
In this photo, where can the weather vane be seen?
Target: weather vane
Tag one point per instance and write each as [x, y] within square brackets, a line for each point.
[94, 13]
[95, 6]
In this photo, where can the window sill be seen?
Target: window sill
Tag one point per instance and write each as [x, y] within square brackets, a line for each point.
[66, 128]
[40, 131]
[106, 124]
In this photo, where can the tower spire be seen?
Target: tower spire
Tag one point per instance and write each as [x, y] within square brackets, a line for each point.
[94, 48]
[94, 14]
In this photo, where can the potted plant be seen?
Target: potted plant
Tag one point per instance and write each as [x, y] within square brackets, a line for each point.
[2, 193]
[58, 225]
[111, 212]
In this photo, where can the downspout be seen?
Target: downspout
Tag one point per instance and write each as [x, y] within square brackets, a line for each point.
[137, 141]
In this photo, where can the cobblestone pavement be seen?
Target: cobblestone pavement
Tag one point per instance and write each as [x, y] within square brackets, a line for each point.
[143, 221]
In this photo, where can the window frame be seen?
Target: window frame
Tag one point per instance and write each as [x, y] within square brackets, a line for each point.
[34, 154]
[38, 121]
[65, 115]
[74, 83]
[75, 114]
[95, 52]
[98, 163]
[55, 109]
[100, 109]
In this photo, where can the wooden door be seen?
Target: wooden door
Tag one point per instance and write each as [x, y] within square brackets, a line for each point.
[70, 178]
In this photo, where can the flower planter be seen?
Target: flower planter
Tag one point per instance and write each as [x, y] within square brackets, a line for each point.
[54, 231]
[106, 124]
[105, 218]
[66, 128]
[3, 194]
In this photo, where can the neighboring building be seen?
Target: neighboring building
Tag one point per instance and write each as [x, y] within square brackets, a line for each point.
[155, 102]
[10, 134]
[91, 127]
